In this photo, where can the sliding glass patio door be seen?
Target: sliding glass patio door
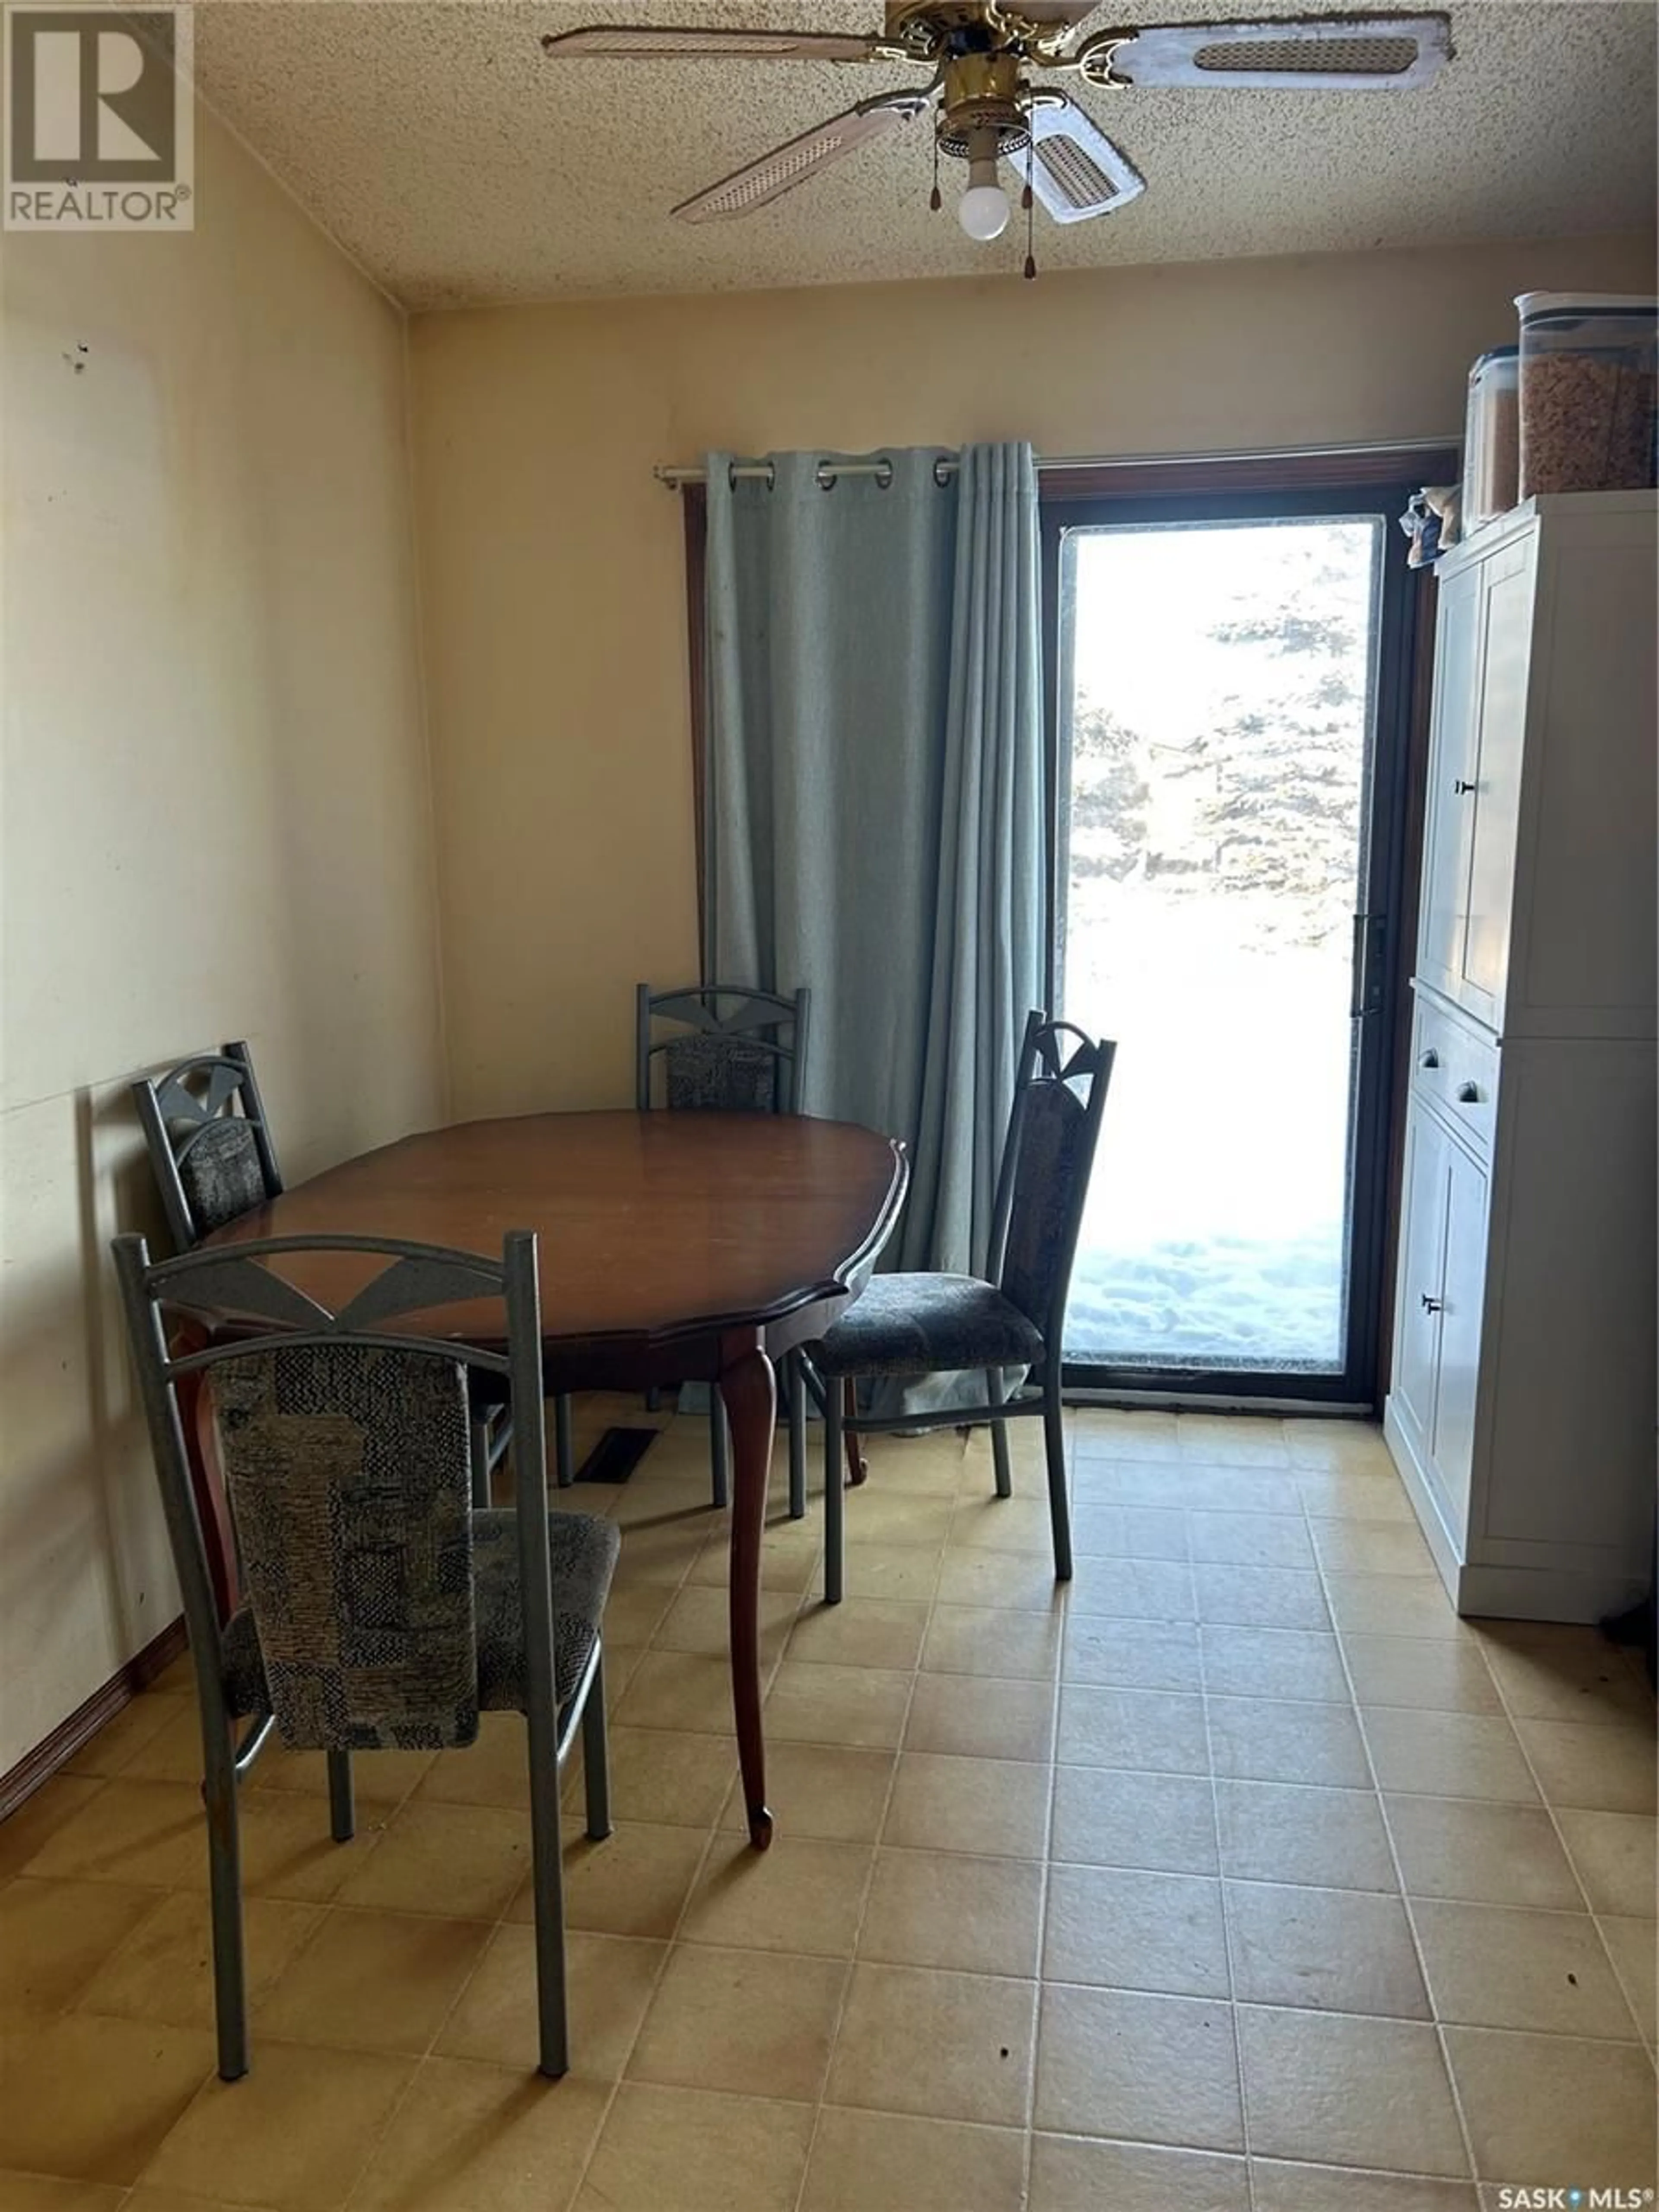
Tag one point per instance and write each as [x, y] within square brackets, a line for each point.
[1230, 720]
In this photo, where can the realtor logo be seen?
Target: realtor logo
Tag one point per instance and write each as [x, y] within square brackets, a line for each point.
[98, 119]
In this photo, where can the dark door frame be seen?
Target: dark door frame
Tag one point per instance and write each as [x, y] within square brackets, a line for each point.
[1276, 488]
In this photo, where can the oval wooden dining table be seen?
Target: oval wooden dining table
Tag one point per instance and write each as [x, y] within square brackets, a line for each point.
[673, 1247]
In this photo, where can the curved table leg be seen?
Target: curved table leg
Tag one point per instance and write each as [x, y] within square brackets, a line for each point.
[749, 1388]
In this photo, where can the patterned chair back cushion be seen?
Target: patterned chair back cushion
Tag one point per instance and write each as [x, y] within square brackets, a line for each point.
[726, 1074]
[220, 1169]
[1050, 1187]
[348, 1479]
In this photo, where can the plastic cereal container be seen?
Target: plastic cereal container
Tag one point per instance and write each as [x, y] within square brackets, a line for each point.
[1589, 392]
[1491, 438]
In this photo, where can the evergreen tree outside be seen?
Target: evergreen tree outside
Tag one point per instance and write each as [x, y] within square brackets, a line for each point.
[1108, 795]
[1290, 750]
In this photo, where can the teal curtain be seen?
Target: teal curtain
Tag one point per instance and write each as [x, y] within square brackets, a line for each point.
[874, 791]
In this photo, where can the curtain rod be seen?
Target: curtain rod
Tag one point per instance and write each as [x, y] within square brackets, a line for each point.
[676, 475]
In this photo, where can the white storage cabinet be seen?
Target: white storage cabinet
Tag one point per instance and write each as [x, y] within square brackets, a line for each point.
[1522, 1400]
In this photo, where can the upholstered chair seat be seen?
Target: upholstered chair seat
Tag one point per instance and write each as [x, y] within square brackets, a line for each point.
[584, 1549]
[927, 1325]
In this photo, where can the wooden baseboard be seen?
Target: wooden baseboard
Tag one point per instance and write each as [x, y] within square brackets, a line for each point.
[56, 1750]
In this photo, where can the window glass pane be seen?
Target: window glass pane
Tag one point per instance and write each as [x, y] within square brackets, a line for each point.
[1220, 680]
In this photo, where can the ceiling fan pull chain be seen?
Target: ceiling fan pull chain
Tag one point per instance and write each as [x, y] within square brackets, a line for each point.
[1025, 202]
[936, 203]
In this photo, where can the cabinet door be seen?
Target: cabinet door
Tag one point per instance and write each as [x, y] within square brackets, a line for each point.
[1449, 819]
[1422, 1261]
[1463, 1282]
[1494, 802]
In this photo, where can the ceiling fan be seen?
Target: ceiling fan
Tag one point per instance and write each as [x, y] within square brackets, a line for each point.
[989, 109]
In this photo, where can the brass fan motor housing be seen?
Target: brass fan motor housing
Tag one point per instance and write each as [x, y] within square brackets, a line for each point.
[983, 108]
[929, 30]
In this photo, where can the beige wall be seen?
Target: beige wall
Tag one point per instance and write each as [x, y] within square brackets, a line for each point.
[216, 814]
[551, 561]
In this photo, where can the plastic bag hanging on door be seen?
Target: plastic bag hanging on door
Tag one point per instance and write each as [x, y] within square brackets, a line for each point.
[1431, 522]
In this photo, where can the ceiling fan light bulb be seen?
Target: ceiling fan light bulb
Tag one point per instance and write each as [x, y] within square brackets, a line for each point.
[983, 209]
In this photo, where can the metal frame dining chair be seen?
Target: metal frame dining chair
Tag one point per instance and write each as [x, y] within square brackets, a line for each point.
[380, 1610]
[732, 1050]
[214, 1159]
[1013, 1317]
[210, 1141]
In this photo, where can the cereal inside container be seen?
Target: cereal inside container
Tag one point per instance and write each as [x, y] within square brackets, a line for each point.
[1589, 392]
[1491, 438]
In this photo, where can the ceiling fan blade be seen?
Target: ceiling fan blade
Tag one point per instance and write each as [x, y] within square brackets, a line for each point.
[1076, 171]
[1316, 54]
[648, 42]
[759, 183]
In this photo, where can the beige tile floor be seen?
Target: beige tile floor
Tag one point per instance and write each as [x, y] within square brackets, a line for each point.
[1240, 1875]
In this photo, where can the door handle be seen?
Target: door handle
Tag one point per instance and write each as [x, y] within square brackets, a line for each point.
[1460, 787]
[1433, 1305]
[1370, 935]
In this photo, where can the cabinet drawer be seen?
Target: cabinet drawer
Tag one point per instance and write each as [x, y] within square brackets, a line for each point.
[1454, 1068]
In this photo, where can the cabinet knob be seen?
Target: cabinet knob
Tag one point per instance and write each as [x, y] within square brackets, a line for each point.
[1460, 787]
[1469, 1094]
[1431, 1305]
[1430, 1059]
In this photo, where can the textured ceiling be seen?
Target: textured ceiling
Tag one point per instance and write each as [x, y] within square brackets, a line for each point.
[461, 167]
